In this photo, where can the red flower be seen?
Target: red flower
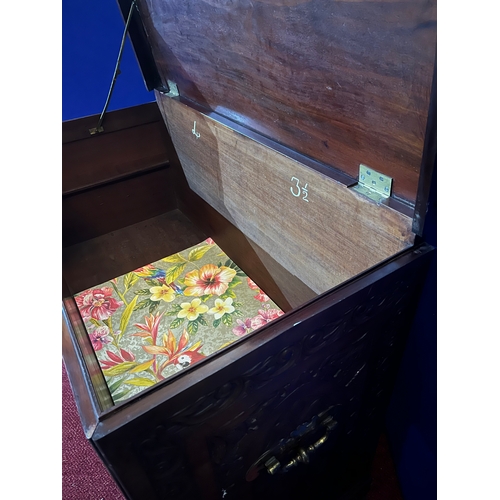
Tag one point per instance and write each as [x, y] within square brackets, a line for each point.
[261, 296]
[243, 327]
[97, 303]
[114, 359]
[176, 353]
[99, 337]
[265, 316]
[150, 328]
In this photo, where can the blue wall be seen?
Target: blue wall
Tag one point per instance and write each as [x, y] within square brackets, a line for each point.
[412, 416]
[91, 36]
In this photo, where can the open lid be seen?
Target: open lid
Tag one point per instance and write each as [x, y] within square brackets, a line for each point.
[342, 82]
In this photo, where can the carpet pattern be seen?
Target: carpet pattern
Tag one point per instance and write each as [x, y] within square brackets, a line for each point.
[85, 477]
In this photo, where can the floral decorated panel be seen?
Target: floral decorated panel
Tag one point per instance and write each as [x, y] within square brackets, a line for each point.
[150, 323]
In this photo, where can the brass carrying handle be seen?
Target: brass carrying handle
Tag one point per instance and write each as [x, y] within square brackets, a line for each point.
[273, 466]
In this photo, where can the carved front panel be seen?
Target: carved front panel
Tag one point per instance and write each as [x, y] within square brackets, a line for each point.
[312, 398]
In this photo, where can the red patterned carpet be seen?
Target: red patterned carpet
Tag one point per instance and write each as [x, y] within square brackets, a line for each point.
[85, 478]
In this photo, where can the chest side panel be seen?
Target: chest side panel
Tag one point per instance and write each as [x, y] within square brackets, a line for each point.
[338, 362]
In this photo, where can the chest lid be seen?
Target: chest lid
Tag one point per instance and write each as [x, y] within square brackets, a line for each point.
[345, 83]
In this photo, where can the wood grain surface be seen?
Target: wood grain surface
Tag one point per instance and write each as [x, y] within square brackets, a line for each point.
[333, 236]
[120, 251]
[115, 178]
[95, 212]
[134, 140]
[345, 82]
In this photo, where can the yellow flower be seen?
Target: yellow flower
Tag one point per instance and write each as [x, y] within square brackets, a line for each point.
[222, 307]
[163, 292]
[192, 310]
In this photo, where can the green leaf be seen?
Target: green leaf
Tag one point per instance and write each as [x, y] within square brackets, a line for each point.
[174, 310]
[115, 385]
[152, 307]
[142, 305]
[119, 369]
[94, 322]
[176, 323]
[234, 283]
[122, 394]
[129, 280]
[237, 312]
[198, 253]
[204, 298]
[140, 381]
[126, 314]
[237, 304]
[227, 320]
[143, 366]
[216, 323]
[232, 265]
[201, 321]
[174, 272]
[192, 327]
[152, 282]
[174, 258]
[144, 291]
[228, 293]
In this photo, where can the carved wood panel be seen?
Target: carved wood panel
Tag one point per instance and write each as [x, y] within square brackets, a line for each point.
[201, 444]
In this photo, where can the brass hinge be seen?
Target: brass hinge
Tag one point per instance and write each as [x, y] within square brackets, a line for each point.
[172, 90]
[373, 184]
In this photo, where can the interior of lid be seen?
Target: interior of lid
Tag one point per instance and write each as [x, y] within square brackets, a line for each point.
[343, 82]
[318, 229]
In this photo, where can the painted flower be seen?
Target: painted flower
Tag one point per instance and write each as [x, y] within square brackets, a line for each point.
[210, 241]
[97, 303]
[163, 292]
[149, 328]
[243, 327]
[222, 307]
[176, 353]
[99, 337]
[264, 317]
[261, 296]
[115, 359]
[191, 310]
[208, 280]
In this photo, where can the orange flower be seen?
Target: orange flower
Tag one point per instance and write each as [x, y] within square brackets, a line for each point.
[176, 353]
[208, 280]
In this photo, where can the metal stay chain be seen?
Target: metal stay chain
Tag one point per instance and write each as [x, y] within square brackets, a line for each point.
[99, 128]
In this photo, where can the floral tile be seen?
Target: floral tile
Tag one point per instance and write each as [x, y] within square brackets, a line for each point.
[150, 323]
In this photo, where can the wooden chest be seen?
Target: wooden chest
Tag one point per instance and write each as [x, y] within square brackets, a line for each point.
[277, 129]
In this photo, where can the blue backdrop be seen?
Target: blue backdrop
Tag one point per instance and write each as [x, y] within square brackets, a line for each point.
[91, 36]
